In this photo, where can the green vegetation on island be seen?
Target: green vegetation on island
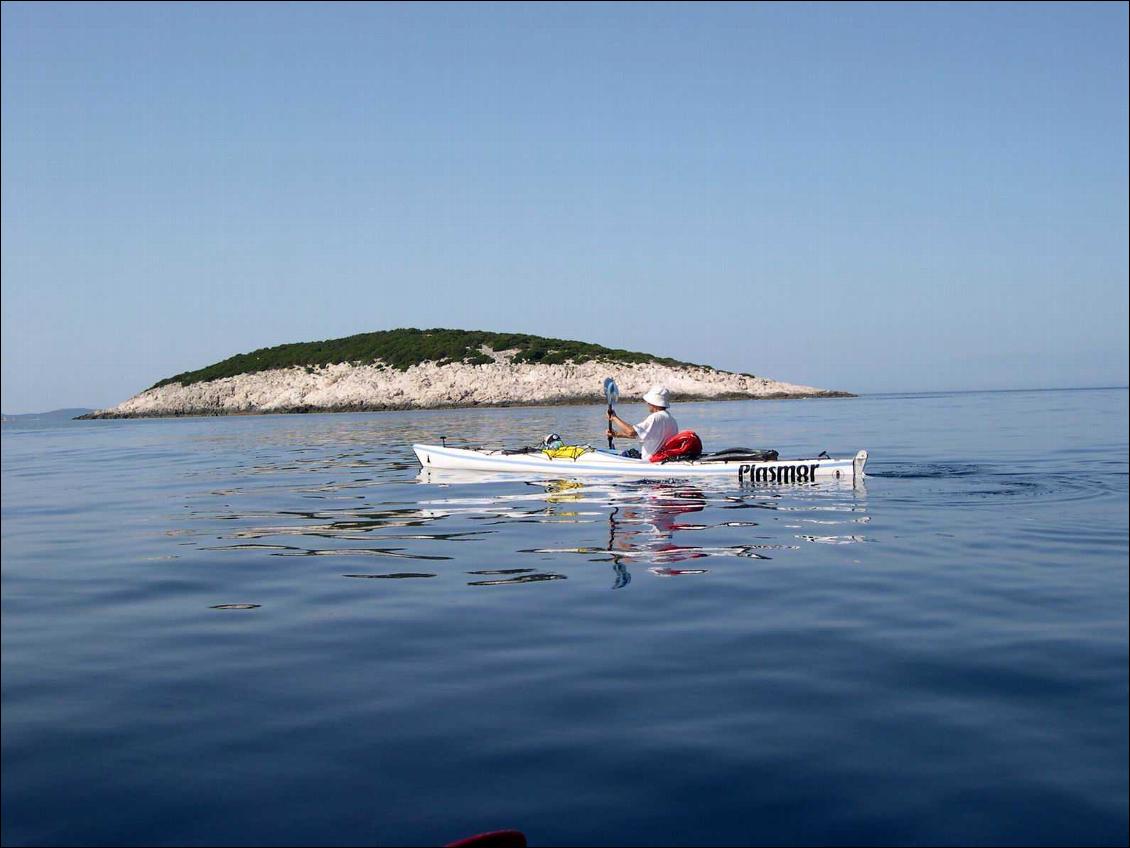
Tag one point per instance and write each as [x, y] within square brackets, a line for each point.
[403, 348]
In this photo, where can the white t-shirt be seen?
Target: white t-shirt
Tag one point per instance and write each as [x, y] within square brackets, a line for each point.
[654, 431]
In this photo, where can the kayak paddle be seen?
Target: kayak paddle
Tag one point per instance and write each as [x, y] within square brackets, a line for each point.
[611, 394]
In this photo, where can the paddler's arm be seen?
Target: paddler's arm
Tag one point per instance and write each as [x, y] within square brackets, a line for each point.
[620, 428]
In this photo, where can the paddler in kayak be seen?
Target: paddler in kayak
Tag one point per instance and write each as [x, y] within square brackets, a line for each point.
[654, 430]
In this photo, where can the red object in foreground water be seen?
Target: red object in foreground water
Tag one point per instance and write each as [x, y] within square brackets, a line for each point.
[493, 839]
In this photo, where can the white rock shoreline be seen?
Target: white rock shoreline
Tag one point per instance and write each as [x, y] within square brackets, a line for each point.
[352, 388]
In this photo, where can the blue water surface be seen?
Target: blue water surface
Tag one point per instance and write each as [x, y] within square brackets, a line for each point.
[268, 630]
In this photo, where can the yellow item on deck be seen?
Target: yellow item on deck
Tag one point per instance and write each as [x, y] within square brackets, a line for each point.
[567, 451]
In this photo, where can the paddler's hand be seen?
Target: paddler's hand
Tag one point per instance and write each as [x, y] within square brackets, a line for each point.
[609, 433]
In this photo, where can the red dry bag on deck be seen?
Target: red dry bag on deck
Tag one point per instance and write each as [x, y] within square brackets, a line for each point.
[684, 445]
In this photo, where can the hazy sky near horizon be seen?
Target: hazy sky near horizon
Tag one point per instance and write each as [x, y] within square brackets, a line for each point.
[863, 197]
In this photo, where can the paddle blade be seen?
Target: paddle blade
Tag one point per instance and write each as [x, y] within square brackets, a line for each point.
[611, 391]
[611, 394]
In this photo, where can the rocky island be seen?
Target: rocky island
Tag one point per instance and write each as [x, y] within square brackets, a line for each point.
[428, 369]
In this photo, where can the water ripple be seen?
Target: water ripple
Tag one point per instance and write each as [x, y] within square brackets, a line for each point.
[938, 655]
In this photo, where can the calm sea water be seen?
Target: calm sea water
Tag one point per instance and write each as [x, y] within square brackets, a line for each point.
[266, 630]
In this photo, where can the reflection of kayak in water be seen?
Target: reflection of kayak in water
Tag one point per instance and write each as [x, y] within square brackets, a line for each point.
[602, 462]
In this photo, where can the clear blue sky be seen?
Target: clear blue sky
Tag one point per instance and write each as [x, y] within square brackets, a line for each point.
[861, 197]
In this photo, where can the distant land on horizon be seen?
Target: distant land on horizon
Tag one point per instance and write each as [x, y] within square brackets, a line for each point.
[51, 415]
[1103, 388]
[409, 368]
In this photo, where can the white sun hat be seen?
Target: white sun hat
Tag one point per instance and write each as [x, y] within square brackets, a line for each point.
[658, 396]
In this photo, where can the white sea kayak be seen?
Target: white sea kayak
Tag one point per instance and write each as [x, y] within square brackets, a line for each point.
[603, 462]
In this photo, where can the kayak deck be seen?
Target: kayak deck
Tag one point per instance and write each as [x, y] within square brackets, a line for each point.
[603, 462]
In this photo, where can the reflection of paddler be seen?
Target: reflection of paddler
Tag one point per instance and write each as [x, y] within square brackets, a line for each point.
[645, 532]
[663, 508]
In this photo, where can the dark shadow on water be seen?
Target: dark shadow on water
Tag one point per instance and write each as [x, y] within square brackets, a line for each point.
[399, 575]
[524, 578]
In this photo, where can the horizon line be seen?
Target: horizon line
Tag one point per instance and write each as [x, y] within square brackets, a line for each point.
[857, 394]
